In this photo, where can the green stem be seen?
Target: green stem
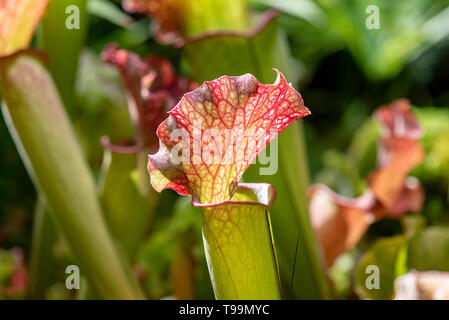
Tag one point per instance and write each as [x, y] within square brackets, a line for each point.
[239, 248]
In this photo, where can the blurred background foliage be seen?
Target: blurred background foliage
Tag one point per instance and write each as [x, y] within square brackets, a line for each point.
[344, 71]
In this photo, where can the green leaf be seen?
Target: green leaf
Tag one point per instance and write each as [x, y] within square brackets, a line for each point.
[405, 30]
[304, 9]
[136, 34]
[6, 266]
[244, 116]
[160, 251]
[63, 47]
[387, 254]
[63, 44]
[108, 11]
[429, 249]
[44, 137]
[128, 209]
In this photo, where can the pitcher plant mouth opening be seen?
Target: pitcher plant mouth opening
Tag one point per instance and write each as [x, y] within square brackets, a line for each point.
[264, 194]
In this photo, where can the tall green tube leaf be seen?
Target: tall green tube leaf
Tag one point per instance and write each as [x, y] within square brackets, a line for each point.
[45, 140]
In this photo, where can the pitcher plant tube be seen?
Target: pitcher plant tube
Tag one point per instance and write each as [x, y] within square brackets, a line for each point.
[205, 145]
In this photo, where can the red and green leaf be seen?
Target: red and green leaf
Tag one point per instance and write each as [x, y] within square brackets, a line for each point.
[152, 86]
[243, 115]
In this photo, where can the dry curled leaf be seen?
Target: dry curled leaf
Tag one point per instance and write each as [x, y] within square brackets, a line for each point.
[152, 87]
[339, 222]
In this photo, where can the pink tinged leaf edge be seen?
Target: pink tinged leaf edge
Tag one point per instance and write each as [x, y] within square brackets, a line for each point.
[166, 175]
